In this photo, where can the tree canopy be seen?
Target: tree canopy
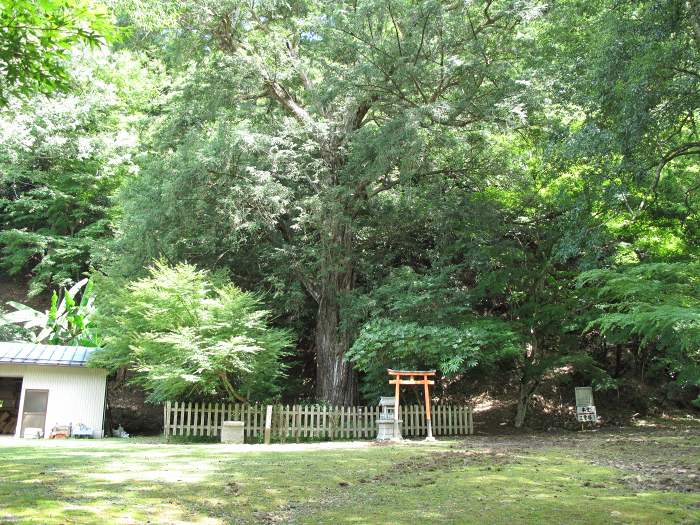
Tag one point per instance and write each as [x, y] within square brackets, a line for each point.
[63, 160]
[506, 191]
[37, 37]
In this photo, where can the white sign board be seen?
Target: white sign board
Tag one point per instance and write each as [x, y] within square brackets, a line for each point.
[586, 413]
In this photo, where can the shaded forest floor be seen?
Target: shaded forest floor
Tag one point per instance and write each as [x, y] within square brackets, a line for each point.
[640, 475]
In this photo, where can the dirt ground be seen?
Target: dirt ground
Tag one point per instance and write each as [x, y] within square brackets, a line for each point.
[652, 457]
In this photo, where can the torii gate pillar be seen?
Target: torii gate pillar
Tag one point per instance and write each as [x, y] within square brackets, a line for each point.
[413, 378]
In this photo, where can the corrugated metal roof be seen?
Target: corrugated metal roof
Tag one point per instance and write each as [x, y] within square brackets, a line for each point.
[37, 354]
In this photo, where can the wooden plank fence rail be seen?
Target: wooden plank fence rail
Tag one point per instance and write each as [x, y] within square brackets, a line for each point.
[309, 422]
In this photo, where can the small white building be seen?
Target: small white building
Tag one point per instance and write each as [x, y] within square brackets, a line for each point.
[43, 386]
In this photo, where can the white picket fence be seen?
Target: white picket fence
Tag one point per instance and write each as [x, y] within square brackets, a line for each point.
[309, 422]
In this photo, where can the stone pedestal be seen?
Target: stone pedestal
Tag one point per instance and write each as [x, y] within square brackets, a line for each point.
[386, 430]
[232, 432]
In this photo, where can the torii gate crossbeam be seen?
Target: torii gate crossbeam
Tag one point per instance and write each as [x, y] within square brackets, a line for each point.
[414, 377]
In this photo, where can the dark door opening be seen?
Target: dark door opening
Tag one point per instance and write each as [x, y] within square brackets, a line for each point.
[34, 412]
[10, 391]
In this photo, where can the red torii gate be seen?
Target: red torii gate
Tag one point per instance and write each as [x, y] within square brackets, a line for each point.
[413, 376]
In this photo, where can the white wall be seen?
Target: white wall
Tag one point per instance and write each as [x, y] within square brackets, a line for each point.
[76, 394]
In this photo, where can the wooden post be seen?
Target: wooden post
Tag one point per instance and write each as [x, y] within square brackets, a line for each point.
[284, 422]
[428, 420]
[397, 391]
[268, 423]
[166, 418]
[296, 423]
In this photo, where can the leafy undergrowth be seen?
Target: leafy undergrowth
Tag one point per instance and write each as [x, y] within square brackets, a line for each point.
[592, 477]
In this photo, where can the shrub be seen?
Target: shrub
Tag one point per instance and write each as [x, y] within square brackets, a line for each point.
[185, 334]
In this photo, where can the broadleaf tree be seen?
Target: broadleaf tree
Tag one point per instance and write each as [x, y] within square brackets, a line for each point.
[36, 39]
[184, 332]
[653, 310]
[62, 160]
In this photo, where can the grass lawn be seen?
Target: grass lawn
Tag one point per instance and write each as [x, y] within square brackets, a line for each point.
[640, 476]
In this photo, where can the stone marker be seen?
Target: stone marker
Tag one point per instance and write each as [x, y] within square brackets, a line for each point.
[388, 424]
[232, 432]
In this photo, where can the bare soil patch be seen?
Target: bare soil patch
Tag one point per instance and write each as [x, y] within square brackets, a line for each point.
[441, 461]
[652, 459]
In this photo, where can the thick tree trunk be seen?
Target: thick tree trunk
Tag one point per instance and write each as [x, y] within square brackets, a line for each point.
[527, 388]
[336, 382]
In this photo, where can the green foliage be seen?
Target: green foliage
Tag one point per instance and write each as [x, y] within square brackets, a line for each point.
[423, 322]
[37, 38]
[61, 161]
[68, 322]
[411, 184]
[188, 334]
[656, 307]
[626, 85]
[289, 125]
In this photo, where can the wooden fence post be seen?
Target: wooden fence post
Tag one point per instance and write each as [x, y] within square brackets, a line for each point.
[166, 418]
[268, 423]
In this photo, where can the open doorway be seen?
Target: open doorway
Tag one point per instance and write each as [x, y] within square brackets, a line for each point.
[10, 391]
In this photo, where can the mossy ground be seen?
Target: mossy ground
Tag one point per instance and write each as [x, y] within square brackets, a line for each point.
[640, 476]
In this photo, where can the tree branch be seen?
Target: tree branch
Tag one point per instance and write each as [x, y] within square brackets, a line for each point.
[689, 148]
[396, 28]
[311, 288]
[294, 54]
[422, 39]
[281, 95]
